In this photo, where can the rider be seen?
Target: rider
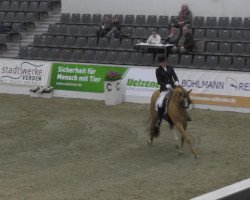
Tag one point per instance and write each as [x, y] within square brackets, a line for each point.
[167, 79]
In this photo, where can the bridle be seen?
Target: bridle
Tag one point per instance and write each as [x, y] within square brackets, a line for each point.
[183, 101]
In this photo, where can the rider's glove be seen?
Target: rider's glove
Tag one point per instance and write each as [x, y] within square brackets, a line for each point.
[176, 83]
[168, 86]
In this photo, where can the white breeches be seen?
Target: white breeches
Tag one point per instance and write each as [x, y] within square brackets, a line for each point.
[159, 101]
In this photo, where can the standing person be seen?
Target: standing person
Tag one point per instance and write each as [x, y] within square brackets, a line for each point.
[185, 42]
[104, 27]
[167, 79]
[184, 18]
[115, 27]
[154, 38]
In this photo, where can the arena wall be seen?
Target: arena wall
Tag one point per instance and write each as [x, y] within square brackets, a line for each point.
[217, 8]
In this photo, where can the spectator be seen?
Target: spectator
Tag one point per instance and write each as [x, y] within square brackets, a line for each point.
[185, 42]
[115, 27]
[154, 38]
[104, 27]
[184, 17]
[173, 36]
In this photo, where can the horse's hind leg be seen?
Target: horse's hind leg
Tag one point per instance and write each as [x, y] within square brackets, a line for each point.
[186, 136]
[153, 130]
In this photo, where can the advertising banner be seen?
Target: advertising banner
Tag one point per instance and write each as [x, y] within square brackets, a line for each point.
[208, 87]
[20, 72]
[79, 77]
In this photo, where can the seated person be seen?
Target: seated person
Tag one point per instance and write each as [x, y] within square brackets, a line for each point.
[154, 38]
[185, 42]
[104, 27]
[115, 27]
[173, 36]
[184, 17]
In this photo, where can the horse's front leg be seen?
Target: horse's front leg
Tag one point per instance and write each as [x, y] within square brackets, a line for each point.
[178, 145]
[186, 137]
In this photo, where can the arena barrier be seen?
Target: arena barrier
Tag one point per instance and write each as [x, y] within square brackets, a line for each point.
[217, 90]
[237, 191]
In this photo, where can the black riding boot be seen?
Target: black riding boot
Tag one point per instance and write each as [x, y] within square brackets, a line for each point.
[160, 116]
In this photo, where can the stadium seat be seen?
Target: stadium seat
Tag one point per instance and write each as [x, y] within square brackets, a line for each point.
[34, 53]
[163, 20]
[225, 47]
[198, 21]
[199, 33]
[23, 6]
[224, 34]
[123, 58]
[223, 22]
[33, 6]
[80, 42]
[86, 19]
[72, 30]
[238, 48]
[129, 20]
[65, 55]
[147, 59]
[140, 20]
[238, 63]
[247, 48]
[186, 61]
[126, 44]
[44, 53]
[65, 18]
[225, 62]
[96, 19]
[59, 41]
[199, 61]
[140, 32]
[91, 42]
[111, 57]
[38, 40]
[211, 22]
[150, 31]
[236, 22]
[23, 52]
[211, 34]
[120, 17]
[5, 5]
[75, 18]
[135, 58]
[212, 47]
[114, 43]
[88, 56]
[151, 20]
[163, 32]
[76, 55]
[237, 35]
[212, 62]
[246, 35]
[49, 40]
[246, 22]
[14, 6]
[173, 59]
[55, 54]
[62, 29]
[103, 43]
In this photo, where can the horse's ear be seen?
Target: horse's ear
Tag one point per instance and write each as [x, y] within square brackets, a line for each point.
[189, 91]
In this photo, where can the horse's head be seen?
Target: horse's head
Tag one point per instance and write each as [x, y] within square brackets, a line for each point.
[182, 96]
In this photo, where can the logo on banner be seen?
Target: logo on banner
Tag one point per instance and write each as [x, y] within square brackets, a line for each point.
[236, 86]
[22, 73]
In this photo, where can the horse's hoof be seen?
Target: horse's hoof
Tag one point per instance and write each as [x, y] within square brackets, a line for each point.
[150, 142]
[196, 157]
[177, 146]
[180, 153]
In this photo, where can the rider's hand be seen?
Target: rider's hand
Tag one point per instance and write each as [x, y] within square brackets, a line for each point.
[176, 83]
[168, 86]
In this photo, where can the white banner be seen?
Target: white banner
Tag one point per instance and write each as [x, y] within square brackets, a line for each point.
[208, 87]
[24, 72]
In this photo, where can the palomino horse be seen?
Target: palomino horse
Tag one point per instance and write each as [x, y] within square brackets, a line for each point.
[179, 101]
